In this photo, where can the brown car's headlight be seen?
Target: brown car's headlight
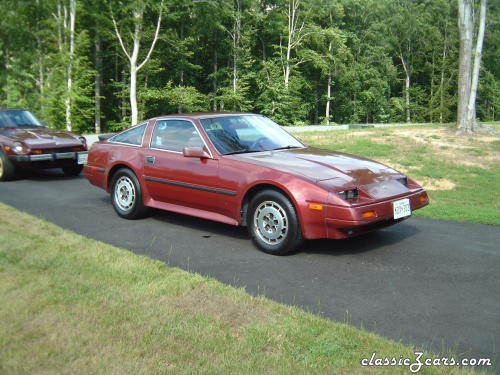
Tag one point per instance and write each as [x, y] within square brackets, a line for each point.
[348, 194]
[83, 140]
[20, 148]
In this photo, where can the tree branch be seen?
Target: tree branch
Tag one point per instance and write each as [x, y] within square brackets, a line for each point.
[157, 32]
[117, 32]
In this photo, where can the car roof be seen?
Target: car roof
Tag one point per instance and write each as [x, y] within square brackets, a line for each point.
[201, 115]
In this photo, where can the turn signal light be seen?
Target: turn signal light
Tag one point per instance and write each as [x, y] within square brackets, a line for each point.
[368, 214]
[317, 207]
[36, 152]
[423, 198]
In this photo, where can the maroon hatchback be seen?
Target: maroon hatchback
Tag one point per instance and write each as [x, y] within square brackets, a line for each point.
[26, 143]
[243, 169]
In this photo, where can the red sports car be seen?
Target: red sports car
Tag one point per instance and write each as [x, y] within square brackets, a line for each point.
[26, 143]
[243, 169]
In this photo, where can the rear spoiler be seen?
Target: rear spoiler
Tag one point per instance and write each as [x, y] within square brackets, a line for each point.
[104, 137]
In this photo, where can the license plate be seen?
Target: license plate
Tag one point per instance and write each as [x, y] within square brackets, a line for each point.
[401, 208]
[82, 158]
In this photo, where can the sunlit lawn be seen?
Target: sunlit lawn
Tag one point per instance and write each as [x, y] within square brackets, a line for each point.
[461, 173]
[71, 305]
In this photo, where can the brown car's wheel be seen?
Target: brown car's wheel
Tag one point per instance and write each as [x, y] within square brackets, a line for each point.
[73, 170]
[7, 169]
[126, 195]
[273, 224]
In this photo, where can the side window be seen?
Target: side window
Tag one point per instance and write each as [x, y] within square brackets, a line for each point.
[131, 137]
[174, 135]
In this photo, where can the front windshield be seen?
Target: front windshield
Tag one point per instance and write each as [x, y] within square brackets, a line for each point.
[247, 133]
[13, 118]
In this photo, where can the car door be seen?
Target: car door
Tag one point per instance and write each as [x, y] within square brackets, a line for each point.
[173, 178]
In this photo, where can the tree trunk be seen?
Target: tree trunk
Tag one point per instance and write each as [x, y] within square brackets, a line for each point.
[292, 24]
[133, 94]
[181, 73]
[236, 44]
[214, 81]
[431, 100]
[465, 26]
[69, 78]
[441, 83]
[406, 88]
[328, 95]
[7, 69]
[328, 89]
[98, 83]
[471, 106]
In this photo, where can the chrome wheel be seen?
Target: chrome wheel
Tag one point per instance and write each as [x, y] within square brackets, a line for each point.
[270, 222]
[125, 194]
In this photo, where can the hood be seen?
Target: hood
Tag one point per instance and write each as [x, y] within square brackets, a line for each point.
[329, 169]
[41, 137]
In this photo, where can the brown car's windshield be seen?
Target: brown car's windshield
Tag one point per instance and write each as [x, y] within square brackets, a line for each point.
[13, 118]
[247, 133]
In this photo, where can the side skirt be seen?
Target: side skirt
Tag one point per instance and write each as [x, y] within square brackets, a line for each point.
[191, 212]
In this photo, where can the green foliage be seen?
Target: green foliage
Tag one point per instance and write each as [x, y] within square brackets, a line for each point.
[231, 56]
[185, 98]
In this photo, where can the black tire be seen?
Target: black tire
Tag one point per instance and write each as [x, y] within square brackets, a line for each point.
[273, 223]
[73, 170]
[7, 169]
[126, 181]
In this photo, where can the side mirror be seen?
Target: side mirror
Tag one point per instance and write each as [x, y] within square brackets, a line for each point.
[195, 152]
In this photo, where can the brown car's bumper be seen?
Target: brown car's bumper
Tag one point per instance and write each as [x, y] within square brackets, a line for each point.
[48, 158]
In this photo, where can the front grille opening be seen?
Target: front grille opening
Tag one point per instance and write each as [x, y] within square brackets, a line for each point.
[57, 150]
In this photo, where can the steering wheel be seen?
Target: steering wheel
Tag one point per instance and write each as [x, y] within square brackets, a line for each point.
[257, 143]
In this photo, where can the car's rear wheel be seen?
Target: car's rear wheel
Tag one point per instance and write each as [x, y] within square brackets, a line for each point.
[7, 169]
[273, 224]
[126, 195]
[72, 170]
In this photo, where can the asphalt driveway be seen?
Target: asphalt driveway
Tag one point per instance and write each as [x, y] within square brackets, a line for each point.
[434, 284]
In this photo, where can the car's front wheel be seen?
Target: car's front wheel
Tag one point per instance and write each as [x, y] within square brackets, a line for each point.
[273, 224]
[7, 169]
[126, 195]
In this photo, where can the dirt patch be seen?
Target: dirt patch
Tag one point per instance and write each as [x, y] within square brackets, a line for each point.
[202, 300]
[436, 183]
[445, 144]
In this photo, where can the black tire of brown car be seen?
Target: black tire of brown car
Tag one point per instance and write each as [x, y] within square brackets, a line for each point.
[138, 210]
[293, 239]
[7, 169]
[72, 170]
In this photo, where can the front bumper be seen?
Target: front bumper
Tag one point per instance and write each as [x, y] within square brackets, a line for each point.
[344, 222]
[54, 157]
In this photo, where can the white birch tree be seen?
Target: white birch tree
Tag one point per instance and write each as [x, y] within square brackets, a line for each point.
[69, 76]
[132, 53]
[468, 74]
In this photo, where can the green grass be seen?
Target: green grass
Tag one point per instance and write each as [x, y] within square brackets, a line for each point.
[475, 196]
[71, 305]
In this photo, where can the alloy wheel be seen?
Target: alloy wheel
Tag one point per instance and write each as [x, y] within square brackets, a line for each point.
[271, 222]
[125, 194]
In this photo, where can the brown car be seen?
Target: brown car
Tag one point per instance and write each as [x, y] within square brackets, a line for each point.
[26, 143]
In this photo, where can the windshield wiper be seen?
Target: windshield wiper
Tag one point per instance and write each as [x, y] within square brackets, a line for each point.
[286, 147]
[241, 152]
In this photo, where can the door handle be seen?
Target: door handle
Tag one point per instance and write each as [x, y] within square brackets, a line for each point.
[150, 159]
